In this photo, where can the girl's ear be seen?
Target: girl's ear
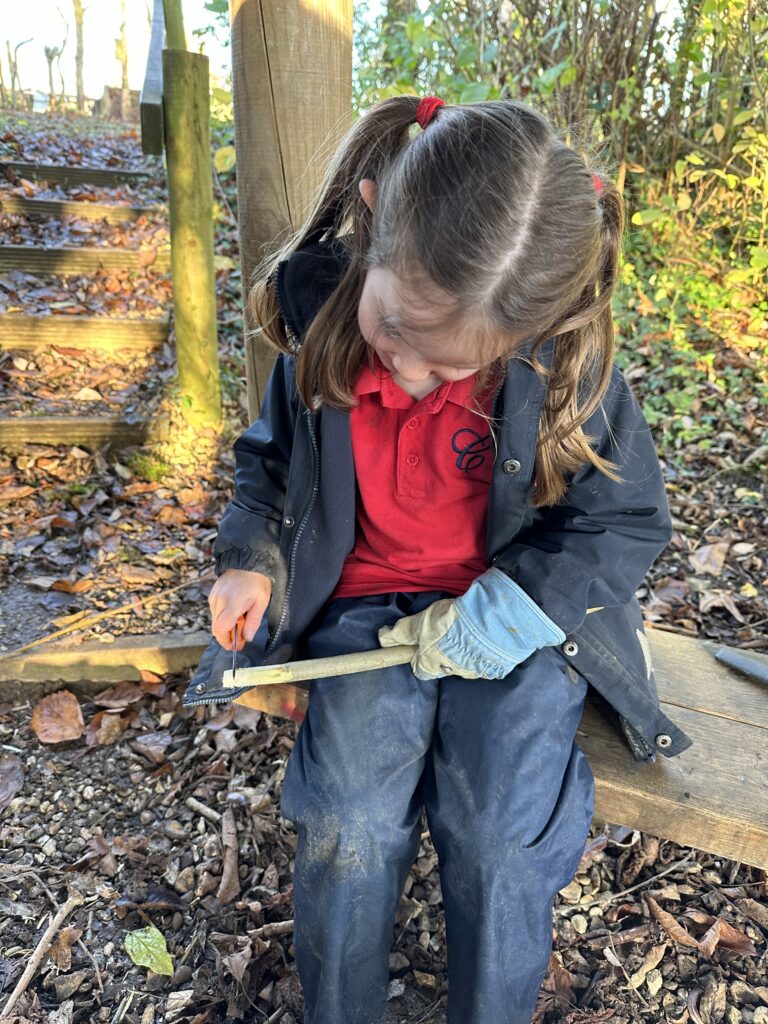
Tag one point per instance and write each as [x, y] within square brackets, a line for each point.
[368, 191]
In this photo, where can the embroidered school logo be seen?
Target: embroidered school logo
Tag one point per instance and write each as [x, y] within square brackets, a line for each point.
[470, 447]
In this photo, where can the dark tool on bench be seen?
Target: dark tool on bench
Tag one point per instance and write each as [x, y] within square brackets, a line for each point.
[751, 663]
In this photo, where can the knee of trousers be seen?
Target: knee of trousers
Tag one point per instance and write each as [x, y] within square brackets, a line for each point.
[547, 836]
[348, 835]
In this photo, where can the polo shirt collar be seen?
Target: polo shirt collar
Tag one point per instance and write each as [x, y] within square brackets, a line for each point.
[393, 396]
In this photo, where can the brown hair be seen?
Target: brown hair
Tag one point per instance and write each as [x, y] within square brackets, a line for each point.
[490, 204]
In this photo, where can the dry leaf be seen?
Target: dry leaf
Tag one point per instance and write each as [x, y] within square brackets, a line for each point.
[11, 778]
[58, 717]
[653, 958]
[670, 925]
[710, 557]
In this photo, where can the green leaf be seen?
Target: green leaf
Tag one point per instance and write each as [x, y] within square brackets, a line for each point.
[475, 92]
[222, 262]
[647, 216]
[147, 948]
[466, 56]
[743, 116]
[224, 159]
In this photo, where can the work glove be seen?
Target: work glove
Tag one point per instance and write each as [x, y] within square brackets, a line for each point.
[484, 633]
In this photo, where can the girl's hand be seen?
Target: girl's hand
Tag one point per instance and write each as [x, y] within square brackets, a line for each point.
[238, 594]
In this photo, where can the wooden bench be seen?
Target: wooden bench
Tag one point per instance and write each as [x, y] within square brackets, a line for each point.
[712, 796]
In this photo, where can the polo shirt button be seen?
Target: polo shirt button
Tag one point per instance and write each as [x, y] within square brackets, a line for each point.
[511, 466]
[412, 424]
[412, 459]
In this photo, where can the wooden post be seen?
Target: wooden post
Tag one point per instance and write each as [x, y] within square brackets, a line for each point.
[174, 25]
[292, 92]
[190, 192]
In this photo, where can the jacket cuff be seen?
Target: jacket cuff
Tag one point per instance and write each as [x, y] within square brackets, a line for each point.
[504, 620]
[244, 558]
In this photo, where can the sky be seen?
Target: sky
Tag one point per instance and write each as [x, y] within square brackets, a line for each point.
[42, 21]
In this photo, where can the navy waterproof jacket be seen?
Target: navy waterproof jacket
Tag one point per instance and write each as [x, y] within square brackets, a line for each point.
[293, 518]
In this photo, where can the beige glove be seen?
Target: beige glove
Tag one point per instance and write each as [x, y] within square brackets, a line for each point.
[424, 630]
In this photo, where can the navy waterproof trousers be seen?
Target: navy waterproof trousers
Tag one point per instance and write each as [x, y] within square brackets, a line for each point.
[509, 797]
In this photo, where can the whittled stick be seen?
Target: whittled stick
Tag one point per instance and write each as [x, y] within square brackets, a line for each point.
[319, 668]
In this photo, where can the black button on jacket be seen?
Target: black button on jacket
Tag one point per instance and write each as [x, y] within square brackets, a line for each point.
[293, 517]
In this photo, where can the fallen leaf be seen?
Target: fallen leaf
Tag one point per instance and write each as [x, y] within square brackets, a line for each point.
[147, 948]
[58, 717]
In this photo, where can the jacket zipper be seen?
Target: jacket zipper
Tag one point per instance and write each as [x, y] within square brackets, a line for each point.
[307, 512]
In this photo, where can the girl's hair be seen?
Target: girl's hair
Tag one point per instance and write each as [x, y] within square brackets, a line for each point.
[493, 207]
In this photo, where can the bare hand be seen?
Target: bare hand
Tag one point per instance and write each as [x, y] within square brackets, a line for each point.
[238, 594]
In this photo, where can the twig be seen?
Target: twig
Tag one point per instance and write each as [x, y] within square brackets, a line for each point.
[104, 615]
[646, 881]
[275, 928]
[90, 956]
[203, 809]
[73, 901]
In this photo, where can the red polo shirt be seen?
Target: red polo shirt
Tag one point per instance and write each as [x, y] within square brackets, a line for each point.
[423, 469]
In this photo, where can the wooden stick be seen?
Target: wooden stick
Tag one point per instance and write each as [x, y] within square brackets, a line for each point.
[75, 900]
[319, 668]
[89, 620]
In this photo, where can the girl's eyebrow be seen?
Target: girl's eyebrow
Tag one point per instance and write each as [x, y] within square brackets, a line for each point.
[398, 320]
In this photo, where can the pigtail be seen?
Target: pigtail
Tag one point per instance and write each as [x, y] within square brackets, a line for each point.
[583, 358]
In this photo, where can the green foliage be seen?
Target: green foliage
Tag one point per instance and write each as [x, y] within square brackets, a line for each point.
[148, 468]
[687, 130]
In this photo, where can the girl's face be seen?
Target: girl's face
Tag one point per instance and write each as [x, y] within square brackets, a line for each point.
[394, 321]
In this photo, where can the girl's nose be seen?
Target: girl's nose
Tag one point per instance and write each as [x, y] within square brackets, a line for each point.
[410, 369]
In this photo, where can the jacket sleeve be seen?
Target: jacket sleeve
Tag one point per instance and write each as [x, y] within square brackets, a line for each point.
[249, 531]
[593, 549]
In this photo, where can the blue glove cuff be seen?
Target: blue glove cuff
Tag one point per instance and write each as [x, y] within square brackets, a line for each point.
[500, 623]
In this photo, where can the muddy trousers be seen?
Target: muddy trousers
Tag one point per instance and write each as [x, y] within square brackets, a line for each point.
[509, 797]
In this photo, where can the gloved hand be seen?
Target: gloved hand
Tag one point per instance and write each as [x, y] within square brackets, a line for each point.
[484, 633]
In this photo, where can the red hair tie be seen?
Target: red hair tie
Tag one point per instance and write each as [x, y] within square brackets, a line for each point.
[597, 183]
[426, 109]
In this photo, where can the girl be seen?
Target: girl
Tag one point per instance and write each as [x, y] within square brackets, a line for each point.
[421, 473]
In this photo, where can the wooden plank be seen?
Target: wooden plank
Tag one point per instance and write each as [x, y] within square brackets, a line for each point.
[689, 676]
[60, 260]
[91, 431]
[19, 331]
[124, 658]
[151, 100]
[113, 213]
[711, 796]
[79, 175]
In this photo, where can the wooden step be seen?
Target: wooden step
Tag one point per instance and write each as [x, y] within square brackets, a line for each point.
[90, 431]
[93, 661]
[78, 175]
[113, 213]
[35, 259]
[20, 331]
